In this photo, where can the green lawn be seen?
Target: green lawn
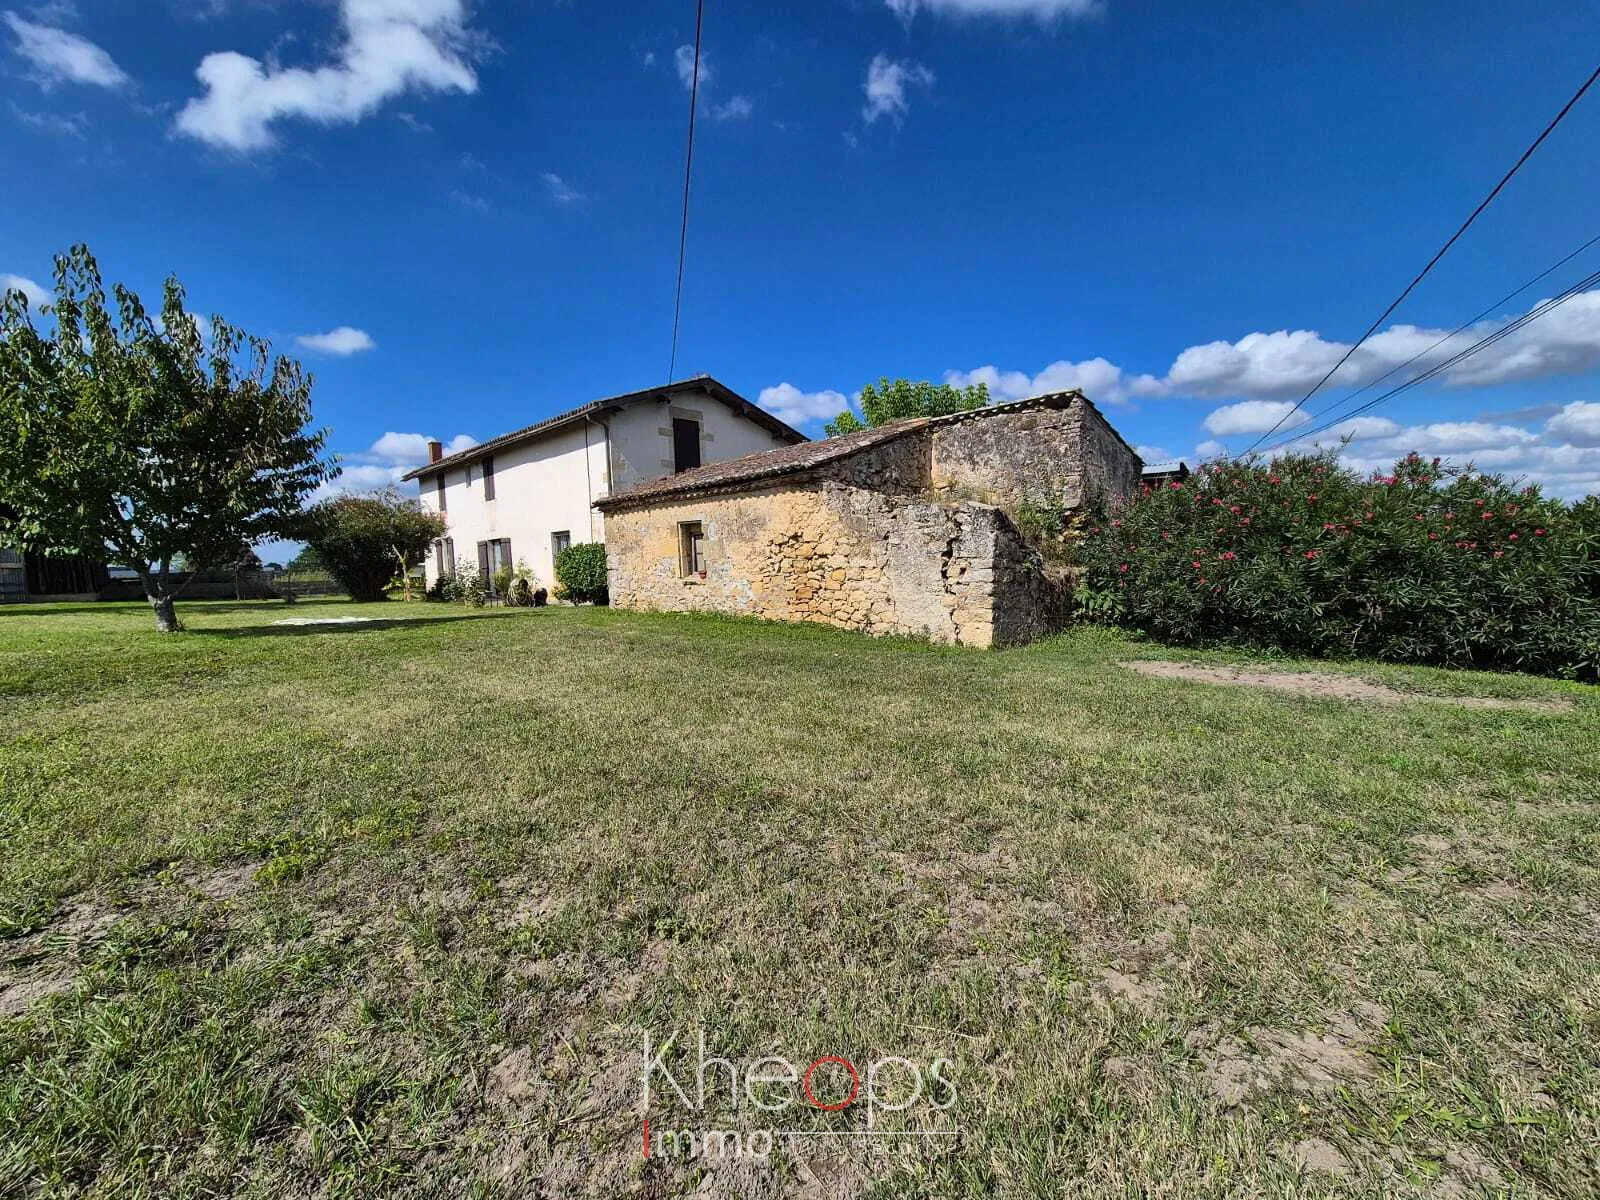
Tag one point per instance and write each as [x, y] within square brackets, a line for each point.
[389, 909]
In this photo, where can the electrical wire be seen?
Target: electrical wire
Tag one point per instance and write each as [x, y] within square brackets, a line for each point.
[1439, 368]
[1490, 311]
[688, 172]
[1454, 237]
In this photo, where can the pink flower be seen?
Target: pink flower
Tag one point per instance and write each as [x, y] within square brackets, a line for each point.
[1418, 517]
[1513, 537]
[1123, 568]
[1274, 479]
[1233, 509]
[1433, 537]
[1175, 486]
[1195, 565]
[1538, 533]
[1488, 516]
[1499, 553]
[1311, 553]
[1312, 497]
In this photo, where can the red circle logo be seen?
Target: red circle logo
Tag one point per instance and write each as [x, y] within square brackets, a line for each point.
[855, 1084]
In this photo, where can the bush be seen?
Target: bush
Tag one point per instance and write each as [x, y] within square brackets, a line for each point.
[461, 586]
[367, 541]
[581, 573]
[1427, 564]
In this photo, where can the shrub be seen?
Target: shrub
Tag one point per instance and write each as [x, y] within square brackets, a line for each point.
[1425, 564]
[461, 586]
[522, 586]
[581, 573]
[366, 541]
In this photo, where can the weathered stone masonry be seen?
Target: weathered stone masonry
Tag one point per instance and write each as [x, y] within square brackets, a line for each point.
[890, 531]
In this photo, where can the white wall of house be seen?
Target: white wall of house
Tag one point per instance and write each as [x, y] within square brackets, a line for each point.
[547, 486]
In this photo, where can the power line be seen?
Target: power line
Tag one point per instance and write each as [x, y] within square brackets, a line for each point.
[1504, 331]
[688, 172]
[1491, 310]
[1454, 237]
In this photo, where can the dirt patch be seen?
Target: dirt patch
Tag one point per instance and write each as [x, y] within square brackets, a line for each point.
[1327, 685]
[1265, 1060]
[1315, 1154]
[18, 993]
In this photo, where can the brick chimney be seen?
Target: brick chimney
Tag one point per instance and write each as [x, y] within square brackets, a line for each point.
[435, 451]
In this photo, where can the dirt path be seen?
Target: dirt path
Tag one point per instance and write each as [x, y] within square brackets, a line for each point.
[1327, 685]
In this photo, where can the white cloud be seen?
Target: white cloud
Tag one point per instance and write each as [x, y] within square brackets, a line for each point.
[1254, 416]
[1103, 382]
[471, 162]
[683, 59]
[1208, 450]
[56, 56]
[413, 122]
[1579, 422]
[1154, 454]
[736, 109]
[560, 190]
[1288, 363]
[788, 403]
[342, 342]
[73, 125]
[1041, 10]
[21, 283]
[470, 200]
[390, 47]
[887, 81]
[386, 462]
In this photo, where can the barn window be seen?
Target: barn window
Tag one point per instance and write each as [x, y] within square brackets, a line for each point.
[691, 549]
[685, 443]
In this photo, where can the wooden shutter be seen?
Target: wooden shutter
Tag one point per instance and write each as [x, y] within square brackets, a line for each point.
[488, 478]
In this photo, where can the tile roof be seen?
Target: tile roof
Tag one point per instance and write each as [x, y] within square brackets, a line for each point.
[584, 411]
[791, 460]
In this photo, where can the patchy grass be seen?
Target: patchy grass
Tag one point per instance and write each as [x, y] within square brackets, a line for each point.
[386, 909]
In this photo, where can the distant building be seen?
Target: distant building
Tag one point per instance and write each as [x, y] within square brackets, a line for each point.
[900, 529]
[526, 495]
[1162, 474]
[28, 576]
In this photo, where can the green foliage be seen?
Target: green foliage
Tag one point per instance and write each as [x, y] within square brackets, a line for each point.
[461, 586]
[365, 541]
[581, 573]
[1428, 564]
[885, 401]
[521, 586]
[140, 438]
[306, 560]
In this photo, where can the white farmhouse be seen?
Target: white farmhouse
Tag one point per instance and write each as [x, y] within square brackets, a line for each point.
[526, 495]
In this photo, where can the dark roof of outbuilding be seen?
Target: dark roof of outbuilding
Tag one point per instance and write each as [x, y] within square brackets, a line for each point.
[560, 421]
[792, 460]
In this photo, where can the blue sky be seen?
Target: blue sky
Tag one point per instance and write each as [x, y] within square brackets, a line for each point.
[464, 216]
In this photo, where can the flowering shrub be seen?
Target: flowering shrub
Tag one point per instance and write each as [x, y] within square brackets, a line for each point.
[1427, 564]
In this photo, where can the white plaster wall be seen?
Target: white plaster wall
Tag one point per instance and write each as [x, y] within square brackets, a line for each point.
[540, 487]
[642, 436]
[550, 484]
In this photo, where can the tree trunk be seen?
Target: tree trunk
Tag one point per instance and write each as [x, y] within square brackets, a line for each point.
[159, 595]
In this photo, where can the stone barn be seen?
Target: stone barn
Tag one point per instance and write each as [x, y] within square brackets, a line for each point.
[901, 529]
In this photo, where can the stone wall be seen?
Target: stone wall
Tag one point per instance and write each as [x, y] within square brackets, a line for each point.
[1051, 455]
[829, 551]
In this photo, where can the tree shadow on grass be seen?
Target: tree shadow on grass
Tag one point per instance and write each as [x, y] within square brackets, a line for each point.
[370, 625]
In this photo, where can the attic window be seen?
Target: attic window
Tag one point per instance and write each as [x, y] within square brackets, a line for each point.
[488, 479]
[691, 550]
[685, 444]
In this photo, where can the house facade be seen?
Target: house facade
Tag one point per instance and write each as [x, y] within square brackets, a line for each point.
[903, 529]
[524, 496]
